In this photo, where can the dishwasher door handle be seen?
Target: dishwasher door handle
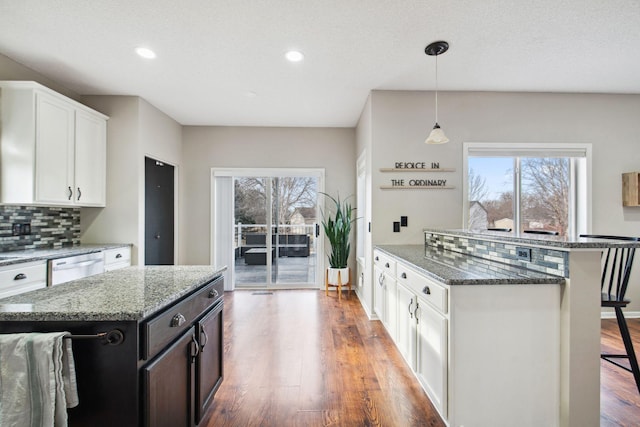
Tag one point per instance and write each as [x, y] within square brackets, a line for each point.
[76, 265]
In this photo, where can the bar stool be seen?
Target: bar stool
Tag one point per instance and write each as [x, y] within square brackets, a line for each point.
[616, 271]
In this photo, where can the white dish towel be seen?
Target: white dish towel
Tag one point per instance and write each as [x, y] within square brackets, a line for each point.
[37, 379]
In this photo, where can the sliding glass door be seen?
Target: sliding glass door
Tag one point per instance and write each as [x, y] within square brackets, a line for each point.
[275, 230]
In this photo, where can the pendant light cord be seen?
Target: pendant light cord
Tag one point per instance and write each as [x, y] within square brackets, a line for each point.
[436, 89]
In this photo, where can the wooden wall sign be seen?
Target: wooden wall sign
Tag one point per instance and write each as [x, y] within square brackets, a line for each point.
[417, 183]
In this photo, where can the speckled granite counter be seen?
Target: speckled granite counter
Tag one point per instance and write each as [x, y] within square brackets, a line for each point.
[131, 293]
[560, 242]
[15, 257]
[453, 268]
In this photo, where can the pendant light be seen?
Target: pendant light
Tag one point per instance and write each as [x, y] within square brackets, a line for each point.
[437, 135]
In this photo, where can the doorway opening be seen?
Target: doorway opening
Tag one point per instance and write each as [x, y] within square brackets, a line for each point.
[272, 235]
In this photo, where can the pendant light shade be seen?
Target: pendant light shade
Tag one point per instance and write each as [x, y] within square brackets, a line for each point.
[437, 135]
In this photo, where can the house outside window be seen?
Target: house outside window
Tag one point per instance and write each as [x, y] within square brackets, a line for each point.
[522, 188]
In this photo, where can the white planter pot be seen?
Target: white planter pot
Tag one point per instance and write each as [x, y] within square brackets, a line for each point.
[332, 275]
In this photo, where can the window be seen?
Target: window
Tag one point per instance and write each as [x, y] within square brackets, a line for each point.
[528, 188]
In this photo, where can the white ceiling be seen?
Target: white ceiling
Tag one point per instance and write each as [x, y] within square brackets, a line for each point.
[212, 54]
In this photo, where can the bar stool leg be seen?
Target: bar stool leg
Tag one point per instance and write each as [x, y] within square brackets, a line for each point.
[628, 345]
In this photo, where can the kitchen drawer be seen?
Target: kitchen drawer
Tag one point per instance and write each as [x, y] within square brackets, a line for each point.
[163, 329]
[426, 288]
[24, 277]
[117, 258]
[385, 262]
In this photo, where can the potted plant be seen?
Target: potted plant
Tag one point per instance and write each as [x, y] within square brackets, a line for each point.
[337, 227]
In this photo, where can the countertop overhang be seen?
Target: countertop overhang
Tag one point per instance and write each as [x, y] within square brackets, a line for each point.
[453, 268]
[128, 294]
[17, 257]
[541, 240]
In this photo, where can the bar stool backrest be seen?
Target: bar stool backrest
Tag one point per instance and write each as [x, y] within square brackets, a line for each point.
[616, 267]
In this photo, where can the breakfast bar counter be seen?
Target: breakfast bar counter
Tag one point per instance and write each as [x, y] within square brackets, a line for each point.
[481, 273]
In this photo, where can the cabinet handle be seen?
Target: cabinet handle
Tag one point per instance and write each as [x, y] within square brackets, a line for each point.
[195, 348]
[426, 290]
[213, 293]
[377, 259]
[403, 275]
[118, 256]
[79, 193]
[70, 193]
[387, 265]
[204, 338]
[415, 312]
[409, 308]
[177, 320]
[20, 276]
[381, 280]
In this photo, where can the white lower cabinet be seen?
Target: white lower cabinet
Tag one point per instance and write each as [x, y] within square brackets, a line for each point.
[117, 258]
[431, 354]
[422, 332]
[486, 355]
[23, 277]
[384, 294]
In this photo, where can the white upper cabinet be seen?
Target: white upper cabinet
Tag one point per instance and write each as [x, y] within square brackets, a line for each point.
[53, 148]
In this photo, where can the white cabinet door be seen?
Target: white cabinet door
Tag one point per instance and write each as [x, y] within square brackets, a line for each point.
[390, 305]
[90, 160]
[379, 293]
[431, 366]
[54, 150]
[406, 327]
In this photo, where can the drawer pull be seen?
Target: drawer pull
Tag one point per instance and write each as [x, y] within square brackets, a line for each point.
[387, 265]
[177, 320]
[20, 276]
[118, 256]
[403, 275]
[195, 348]
[426, 290]
[213, 293]
[377, 259]
[204, 338]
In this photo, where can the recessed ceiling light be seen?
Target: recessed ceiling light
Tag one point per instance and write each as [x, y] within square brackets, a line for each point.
[145, 52]
[294, 56]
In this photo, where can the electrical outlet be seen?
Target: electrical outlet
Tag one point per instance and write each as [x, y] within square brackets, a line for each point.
[21, 229]
[523, 254]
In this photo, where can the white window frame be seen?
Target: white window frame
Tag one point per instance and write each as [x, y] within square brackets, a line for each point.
[580, 219]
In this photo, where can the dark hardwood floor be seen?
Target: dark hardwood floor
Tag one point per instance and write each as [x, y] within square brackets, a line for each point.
[619, 396]
[298, 358]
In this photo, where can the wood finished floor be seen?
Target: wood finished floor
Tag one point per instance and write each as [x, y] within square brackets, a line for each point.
[298, 358]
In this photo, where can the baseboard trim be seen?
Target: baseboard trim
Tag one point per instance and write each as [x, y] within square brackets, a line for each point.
[627, 314]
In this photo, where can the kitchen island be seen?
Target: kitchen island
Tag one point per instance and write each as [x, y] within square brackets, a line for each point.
[515, 348]
[138, 335]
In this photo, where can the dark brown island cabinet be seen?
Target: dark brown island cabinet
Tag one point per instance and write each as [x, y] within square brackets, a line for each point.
[162, 370]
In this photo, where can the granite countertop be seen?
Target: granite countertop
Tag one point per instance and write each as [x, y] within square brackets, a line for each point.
[453, 268]
[131, 293]
[560, 242]
[16, 257]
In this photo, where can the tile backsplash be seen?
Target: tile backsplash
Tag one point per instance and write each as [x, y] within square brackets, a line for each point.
[545, 260]
[49, 227]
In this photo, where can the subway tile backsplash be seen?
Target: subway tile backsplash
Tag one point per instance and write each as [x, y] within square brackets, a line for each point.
[542, 259]
[49, 227]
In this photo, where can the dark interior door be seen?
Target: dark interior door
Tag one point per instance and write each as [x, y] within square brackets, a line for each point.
[159, 209]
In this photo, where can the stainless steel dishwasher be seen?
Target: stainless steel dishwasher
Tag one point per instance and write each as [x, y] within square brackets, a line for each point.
[63, 270]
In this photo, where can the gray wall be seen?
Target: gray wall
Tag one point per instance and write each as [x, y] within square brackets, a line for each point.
[401, 121]
[247, 147]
